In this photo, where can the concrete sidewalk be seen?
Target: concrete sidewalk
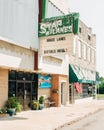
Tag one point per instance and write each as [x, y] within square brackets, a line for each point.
[50, 118]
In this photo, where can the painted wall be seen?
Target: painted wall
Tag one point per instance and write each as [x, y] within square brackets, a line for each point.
[19, 22]
[16, 57]
[44, 92]
[57, 61]
[52, 65]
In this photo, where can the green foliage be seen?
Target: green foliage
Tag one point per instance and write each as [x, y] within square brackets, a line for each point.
[3, 111]
[100, 85]
[41, 99]
[12, 102]
[35, 105]
[38, 105]
[19, 107]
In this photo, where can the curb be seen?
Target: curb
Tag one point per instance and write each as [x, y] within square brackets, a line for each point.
[78, 119]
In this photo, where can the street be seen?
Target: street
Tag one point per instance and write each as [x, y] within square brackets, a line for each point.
[93, 122]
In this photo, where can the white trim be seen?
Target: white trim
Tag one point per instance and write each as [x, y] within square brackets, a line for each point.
[16, 44]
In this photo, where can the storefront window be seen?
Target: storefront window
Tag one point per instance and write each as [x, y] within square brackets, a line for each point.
[12, 88]
[12, 75]
[23, 82]
[20, 75]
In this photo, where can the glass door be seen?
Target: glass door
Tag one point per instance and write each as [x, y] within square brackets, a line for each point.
[24, 94]
[27, 95]
[63, 84]
[20, 92]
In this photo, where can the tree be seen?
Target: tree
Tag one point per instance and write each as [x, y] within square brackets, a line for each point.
[100, 85]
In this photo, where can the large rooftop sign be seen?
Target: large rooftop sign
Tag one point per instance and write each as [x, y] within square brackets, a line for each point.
[59, 25]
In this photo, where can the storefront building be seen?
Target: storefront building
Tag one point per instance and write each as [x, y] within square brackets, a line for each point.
[18, 50]
[50, 62]
[56, 35]
[82, 67]
[69, 51]
[17, 73]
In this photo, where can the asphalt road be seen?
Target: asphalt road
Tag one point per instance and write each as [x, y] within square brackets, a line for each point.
[92, 122]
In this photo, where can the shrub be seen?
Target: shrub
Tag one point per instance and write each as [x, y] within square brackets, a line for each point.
[41, 99]
[3, 111]
[19, 107]
[35, 105]
[12, 102]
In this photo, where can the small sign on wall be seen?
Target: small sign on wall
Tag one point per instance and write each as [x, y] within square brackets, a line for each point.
[44, 81]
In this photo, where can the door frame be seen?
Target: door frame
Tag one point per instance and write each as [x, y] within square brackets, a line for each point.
[24, 93]
[62, 93]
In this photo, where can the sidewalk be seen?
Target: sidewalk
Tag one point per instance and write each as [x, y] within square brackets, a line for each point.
[50, 118]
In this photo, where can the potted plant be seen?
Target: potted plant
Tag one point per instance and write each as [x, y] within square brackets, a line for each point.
[41, 102]
[12, 105]
[35, 105]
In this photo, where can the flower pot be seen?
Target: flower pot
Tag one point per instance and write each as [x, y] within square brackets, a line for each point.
[41, 106]
[11, 111]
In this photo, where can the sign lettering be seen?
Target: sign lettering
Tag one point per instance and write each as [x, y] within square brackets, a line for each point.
[58, 25]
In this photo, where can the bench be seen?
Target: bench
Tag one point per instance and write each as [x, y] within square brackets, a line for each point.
[49, 102]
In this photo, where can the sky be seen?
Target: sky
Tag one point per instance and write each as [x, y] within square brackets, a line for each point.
[91, 13]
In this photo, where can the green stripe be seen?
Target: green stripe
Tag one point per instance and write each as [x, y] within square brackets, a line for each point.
[44, 8]
[76, 23]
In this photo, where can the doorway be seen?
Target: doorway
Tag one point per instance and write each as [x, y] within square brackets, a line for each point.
[24, 86]
[63, 85]
[71, 94]
[24, 93]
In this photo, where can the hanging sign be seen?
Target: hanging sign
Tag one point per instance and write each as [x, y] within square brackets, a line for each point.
[59, 25]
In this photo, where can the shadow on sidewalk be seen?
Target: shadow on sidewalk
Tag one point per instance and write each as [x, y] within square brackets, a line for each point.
[11, 118]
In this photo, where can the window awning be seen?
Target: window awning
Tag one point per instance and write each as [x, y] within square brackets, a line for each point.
[82, 75]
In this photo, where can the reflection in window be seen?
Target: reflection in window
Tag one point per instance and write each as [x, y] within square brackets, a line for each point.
[20, 75]
[12, 75]
[12, 89]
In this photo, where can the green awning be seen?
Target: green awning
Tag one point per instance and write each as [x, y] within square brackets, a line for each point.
[82, 75]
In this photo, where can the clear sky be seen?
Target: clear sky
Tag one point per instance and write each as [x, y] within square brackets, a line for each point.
[92, 14]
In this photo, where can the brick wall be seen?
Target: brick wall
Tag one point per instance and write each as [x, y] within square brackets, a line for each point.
[56, 85]
[3, 86]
